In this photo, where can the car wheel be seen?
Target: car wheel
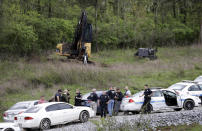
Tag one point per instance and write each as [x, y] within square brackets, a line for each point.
[84, 115]
[135, 112]
[9, 129]
[177, 109]
[45, 124]
[188, 105]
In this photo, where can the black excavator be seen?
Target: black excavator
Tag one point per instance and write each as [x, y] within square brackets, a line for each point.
[80, 48]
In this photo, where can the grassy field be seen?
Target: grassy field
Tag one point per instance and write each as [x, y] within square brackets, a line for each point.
[28, 79]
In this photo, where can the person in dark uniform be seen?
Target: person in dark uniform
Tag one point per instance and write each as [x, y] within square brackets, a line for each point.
[58, 96]
[118, 98]
[93, 101]
[147, 98]
[78, 98]
[103, 101]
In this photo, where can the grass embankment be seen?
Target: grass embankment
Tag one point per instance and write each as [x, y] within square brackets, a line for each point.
[29, 79]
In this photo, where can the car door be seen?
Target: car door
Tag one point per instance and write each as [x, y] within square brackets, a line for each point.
[54, 113]
[172, 98]
[68, 112]
[157, 100]
[195, 90]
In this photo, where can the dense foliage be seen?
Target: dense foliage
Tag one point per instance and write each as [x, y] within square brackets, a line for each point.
[33, 26]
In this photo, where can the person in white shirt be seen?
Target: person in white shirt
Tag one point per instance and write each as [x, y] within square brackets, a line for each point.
[127, 92]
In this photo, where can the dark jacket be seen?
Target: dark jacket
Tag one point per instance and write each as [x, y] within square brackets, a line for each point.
[103, 100]
[118, 96]
[93, 97]
[111, 94]
[78, 98]
[147, 92]
[60, 96]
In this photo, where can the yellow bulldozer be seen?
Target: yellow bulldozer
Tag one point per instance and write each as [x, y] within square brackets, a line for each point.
[80, 48]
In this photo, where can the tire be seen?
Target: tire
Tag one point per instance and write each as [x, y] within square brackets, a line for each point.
[9, 129]
[189, 105]
[83, 117]
[45, 124]
[177, 109]
[135, 112]
[126, 113]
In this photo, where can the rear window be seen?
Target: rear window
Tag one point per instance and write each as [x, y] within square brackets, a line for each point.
[18, 106]
[198, 79]
[177, 87]
[33, 110]
[138, 94]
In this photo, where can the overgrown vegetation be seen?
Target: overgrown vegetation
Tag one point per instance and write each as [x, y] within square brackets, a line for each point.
[28, 27]
[24, 79]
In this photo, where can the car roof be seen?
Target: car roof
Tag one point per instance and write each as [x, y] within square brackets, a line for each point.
[186, 83]
[49, 103]
[27, 101]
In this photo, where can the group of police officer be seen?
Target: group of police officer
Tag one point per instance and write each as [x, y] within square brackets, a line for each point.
[109, 101]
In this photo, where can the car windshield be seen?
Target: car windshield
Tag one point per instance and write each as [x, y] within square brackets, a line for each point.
[33, 110]
[198, 79]
[21, 105]
[177, 87]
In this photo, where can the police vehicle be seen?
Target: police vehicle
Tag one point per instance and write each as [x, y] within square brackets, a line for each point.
[188, 87]
[198, 79]
[161, 99]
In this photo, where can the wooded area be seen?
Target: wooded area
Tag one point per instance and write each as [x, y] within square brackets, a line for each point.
[33, 26]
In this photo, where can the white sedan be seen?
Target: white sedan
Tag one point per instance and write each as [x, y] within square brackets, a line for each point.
[8, 126]
[45, 115]
[162, 99]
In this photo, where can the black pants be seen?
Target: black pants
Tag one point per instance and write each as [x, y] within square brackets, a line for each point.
[103, 109]
[146, 103]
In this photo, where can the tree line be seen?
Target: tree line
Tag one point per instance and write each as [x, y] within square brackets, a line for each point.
[33, 26]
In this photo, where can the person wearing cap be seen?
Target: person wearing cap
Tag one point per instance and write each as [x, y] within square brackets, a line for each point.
[118, 98]
[93, 98]
[147, 98]
[78, 98]
[58, 96]
[127, 92]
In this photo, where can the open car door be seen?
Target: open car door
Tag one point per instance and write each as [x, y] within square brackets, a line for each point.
[172, 98]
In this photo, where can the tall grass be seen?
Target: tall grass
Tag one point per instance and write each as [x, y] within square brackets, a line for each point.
[24, 80]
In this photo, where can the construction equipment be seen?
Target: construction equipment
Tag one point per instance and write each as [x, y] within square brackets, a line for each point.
[146, 52]
[81, 46]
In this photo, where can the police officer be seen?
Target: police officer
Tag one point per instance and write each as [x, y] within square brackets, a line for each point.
[118, 99]
[104, 99]
[147, 98]
[93, 100]
[78, 98]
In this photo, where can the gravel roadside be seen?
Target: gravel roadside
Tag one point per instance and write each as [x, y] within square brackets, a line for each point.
[138, 122]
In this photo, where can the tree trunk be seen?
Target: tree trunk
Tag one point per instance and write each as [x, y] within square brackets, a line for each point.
[96, 7]
[174, 8]
[39, 6]
[49, 9]
[200, 37]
